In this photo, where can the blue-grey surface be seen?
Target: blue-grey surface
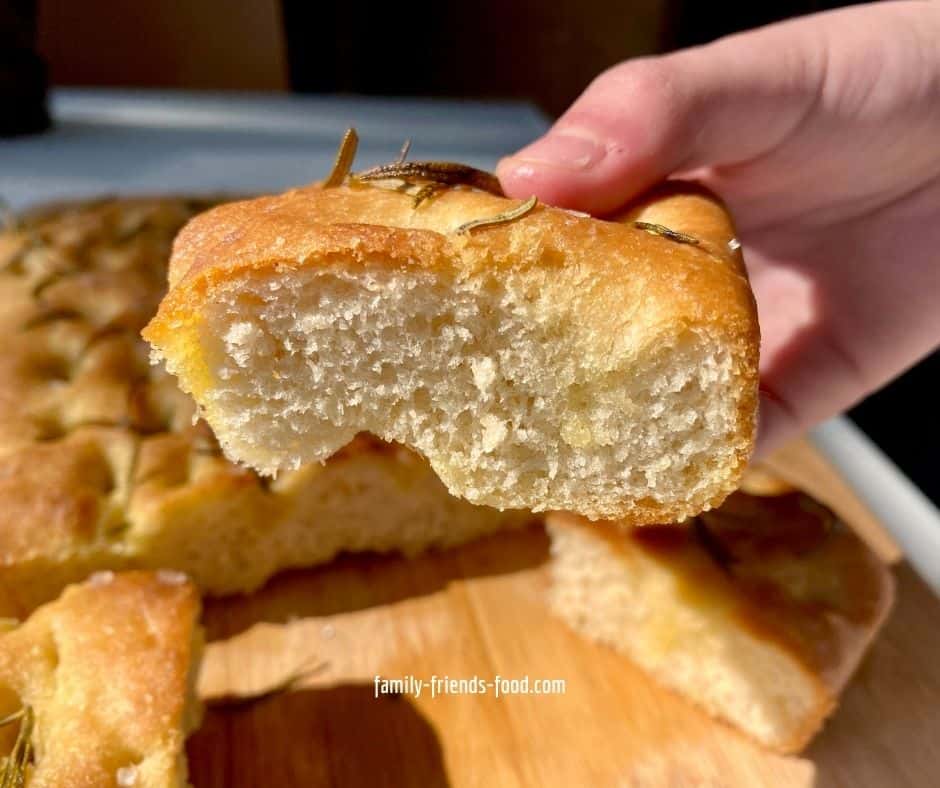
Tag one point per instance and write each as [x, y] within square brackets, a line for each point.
[108, 141]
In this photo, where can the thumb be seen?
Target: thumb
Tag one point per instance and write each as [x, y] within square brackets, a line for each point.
[650, 118]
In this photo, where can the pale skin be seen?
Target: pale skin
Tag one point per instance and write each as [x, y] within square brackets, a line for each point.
[823, 137]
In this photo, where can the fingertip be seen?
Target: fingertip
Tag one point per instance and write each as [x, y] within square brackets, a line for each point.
[588, 191]
[521, 178]
[582, 163]
[560, 168]
[513, 173]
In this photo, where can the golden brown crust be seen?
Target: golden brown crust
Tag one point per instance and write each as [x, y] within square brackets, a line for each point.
[80, 405]
[108, 671]
[787, 570]
[308, 227]
[619, 276]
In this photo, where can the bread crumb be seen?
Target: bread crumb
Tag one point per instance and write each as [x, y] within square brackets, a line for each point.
[484, 373]
[239, 339]
[494, 432]
[577, 432]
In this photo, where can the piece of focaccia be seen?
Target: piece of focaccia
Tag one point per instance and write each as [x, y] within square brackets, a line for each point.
[540, 359]
[758, 611]
[97, 687]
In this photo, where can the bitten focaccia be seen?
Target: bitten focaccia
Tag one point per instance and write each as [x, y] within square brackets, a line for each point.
[103, 680]
[553, 361]
[101, 466]
[758, 611]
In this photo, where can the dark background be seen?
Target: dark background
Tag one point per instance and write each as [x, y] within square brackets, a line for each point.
[538, 51]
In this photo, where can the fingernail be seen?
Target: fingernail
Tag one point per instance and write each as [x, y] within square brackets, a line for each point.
[570, 149]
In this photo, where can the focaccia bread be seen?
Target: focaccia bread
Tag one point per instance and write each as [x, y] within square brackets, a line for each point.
[758, 611]
[546, 361]
[100, 685]
[101, 465]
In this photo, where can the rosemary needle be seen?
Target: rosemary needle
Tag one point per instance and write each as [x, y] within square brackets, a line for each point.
[13, 766]
[502, 218]
[344, 159]
[13, 717]
[665, 232]
[447, 173]
[404, 150]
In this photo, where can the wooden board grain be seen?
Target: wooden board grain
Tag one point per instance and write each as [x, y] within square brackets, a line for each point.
[479, 612]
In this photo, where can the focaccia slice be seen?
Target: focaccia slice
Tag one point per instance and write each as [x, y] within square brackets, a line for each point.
[97, 687]
[551, 361]
[758, 611]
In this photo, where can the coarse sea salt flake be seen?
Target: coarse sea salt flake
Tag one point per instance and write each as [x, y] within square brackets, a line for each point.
[171, 577]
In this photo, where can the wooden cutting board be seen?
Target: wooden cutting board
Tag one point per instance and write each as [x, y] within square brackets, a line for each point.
[478, 612]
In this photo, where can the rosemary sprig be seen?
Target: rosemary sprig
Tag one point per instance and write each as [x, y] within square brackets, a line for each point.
[426, 192]
[13, 766]
[665, 232]
[446, 173]
[344, 159]
[433, 176]
[502, 218]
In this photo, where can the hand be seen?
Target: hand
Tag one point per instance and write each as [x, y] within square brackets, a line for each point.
[823, 137]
